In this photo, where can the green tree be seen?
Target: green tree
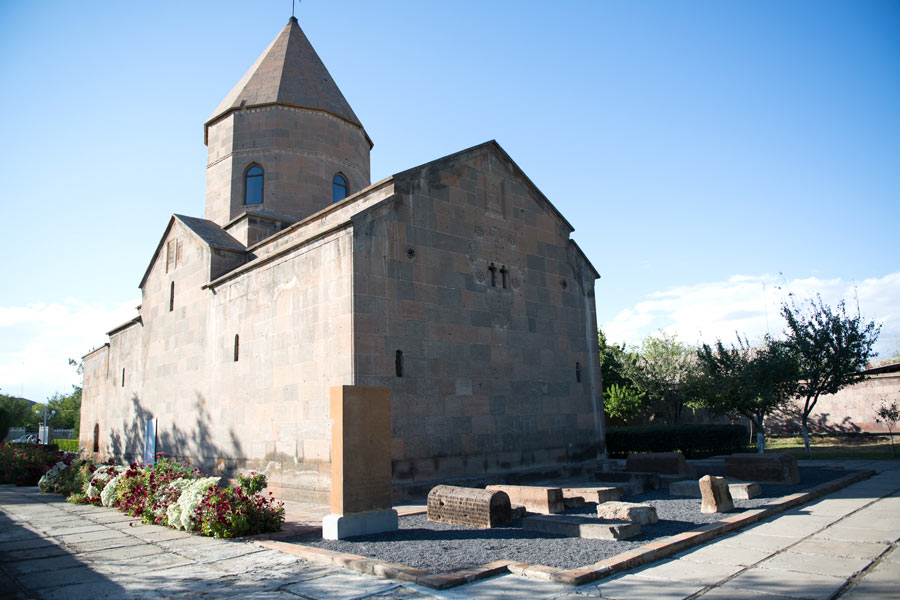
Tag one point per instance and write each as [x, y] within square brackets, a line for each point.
[620, 398]
[753, 382]
[665, 371]
[67, 406]
[889, 414]
[831, 350]
[15, 412]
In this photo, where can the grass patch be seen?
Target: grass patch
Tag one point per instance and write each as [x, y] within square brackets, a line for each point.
[831, 447]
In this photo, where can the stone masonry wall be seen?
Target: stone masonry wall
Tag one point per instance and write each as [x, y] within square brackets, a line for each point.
[266, 411]
[496, 377]
[300, 151]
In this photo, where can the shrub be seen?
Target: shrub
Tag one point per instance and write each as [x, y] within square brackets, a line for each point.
[252, 483]
[169, 493]
[25, 464]
[694, 441]
[67, 445]
[229, 512]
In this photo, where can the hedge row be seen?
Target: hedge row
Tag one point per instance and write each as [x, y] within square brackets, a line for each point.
[694, 441]
[67, 445]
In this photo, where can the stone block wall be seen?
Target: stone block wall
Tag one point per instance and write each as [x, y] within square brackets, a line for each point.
[300, 151]
[485, 376]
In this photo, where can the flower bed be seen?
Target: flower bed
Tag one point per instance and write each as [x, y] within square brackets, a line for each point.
[170, 493]
[23, 464]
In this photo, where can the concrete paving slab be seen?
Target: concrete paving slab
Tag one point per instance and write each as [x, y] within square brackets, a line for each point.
[804, 586]
[121, 541]
[127, 564]
[793, 525]
[155, 533]
[688, 572]
[90, 536]
[868, 550]
[881, 583]
[24, 544]
[512, 586]
[120, 554]
[814, 563]
[340, 586]
[35, 553]
[748, 539]
[736, 594]
[41, 580]
[212, 552]
[100, 589]
[632, 587]
[892, 556]
[854, 534]
[725, 555]
[73, 528]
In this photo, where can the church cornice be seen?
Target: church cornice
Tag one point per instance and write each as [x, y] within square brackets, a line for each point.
[282, 106]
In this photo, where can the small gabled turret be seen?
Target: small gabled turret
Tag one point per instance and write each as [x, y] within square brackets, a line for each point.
[285, 139]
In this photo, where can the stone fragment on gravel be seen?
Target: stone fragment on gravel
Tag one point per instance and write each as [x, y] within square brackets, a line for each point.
[715, 494]
[594, 494]
[628, 511]
[582, 527]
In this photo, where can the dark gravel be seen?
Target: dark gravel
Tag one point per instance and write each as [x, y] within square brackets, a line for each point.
[442, 548]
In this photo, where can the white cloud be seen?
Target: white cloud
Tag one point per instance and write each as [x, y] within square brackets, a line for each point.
[751, 305]
[37, 340]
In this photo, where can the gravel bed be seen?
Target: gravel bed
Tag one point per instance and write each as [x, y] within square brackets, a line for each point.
[443, 548]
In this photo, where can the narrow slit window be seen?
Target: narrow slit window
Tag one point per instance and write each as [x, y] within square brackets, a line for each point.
[578, 372]
[123, 377]
[338, 188]
[504, 272]
[398, 363]
[172, 296]
[96, 437]
[237, 346]
[493, 271]
[253, 185]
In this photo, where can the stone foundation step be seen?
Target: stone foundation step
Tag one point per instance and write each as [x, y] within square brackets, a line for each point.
[594, 494]
[582, 527]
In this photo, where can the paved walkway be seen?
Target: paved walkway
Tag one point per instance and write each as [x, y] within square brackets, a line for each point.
[842, 546]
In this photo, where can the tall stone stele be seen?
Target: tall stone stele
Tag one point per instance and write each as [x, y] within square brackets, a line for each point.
[360, 463]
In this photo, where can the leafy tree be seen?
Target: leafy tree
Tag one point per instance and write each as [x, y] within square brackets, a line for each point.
[67, 406]
[831, 349]
[889, 415]
[623, 402]
[620, 398]
[665, 371]
[15, 412]
[753, 382]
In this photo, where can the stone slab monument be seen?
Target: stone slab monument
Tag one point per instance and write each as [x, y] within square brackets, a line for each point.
[360, 463]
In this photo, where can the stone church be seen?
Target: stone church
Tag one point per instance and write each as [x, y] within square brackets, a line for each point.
[454, 284]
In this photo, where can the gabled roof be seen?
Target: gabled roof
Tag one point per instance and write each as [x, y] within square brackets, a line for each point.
[290, 73]
[209, 233]
[489, 146]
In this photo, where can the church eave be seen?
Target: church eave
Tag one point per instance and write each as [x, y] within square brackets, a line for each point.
[218, 117]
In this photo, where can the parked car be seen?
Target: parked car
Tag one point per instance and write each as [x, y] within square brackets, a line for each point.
[28, 438]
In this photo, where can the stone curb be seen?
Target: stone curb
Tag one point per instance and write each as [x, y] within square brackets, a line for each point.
[577, 576]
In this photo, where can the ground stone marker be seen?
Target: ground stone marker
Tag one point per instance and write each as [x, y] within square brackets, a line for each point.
[471, 507]
[583, 527]
[715, 494]
[535, 498]
[742, 490]
[767, 468]
[628, 511]
[360, 463]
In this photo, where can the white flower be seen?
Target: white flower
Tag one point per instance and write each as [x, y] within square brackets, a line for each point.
[179, 512]
[108, 495]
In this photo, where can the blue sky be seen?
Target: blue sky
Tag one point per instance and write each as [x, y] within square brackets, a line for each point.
[712, 156]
